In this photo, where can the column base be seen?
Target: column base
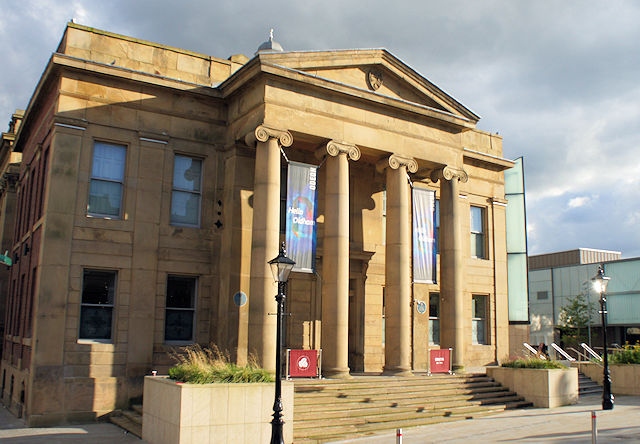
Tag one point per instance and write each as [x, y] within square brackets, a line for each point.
[336, 373]
[397, 372]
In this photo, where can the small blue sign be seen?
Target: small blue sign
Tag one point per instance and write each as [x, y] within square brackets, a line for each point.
[240, 298]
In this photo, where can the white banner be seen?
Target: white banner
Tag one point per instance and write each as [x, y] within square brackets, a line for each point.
[424, 251]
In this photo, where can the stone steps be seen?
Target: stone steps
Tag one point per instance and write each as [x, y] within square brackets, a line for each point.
[129, 420]
[587, 386]
[331, 409]
[327, 410]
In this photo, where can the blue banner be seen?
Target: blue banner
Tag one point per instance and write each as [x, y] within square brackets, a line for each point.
[301, 215]
[424, 251]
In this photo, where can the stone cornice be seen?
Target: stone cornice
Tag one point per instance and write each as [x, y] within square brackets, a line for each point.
[487, 160]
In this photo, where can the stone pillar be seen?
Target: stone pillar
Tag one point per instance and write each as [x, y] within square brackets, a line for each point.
[453, 315]
[397, 352]
[264, 242]
[335, 261]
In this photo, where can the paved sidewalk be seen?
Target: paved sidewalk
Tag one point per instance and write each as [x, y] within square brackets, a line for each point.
[14, 431]
[567, 425]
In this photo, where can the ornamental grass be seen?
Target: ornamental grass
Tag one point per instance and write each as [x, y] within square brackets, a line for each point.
[533, 363]
[209, 365]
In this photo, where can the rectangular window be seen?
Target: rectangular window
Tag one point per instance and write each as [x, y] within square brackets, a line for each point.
[478, 238]
[43, 181]
[96, 311]
[434, 318]
[186, 195]
[479, 319]
[543, 295]
[107, 180]
[180, 308]
[436, 224]
[32, 196]
[28, 328]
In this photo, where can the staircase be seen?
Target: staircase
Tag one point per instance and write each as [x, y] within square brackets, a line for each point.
[328, 410]
[129, 420]
[333, 409]
[587, 386]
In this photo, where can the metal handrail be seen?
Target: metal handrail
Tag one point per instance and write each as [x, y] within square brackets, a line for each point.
[533, 350]
[562, 352]
[579, 354]
[590, 351]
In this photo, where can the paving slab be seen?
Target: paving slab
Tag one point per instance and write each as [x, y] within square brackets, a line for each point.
[14, 431]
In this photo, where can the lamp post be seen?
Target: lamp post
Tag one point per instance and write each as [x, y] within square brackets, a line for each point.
[281, 267]
[600, 282]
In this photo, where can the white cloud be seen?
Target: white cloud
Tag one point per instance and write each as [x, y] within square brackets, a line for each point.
[578, 202]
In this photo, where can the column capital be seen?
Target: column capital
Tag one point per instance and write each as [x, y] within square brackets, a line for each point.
[335, 148]
[263, 133]
[395, 161]
[449, 173]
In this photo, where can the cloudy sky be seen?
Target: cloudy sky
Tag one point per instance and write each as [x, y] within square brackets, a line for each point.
[559, 80]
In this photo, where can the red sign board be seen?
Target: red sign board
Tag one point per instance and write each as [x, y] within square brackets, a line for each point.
[303, 363]
[440, 361]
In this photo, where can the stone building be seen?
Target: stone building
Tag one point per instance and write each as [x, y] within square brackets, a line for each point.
[149, 205]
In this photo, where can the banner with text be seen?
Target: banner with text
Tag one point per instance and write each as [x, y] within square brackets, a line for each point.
[301, 215]
[424, 251]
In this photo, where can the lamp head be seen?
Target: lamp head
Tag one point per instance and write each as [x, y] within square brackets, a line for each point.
[281, 265]
[600, 281]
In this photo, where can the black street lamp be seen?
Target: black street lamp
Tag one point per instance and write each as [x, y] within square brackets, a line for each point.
[281, 267]
[600, 282]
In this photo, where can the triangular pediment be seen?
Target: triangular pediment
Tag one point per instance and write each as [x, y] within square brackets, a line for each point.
[373, 71]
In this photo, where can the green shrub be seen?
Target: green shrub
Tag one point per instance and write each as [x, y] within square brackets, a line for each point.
[533, 363]
[630, 354]
[198, 365]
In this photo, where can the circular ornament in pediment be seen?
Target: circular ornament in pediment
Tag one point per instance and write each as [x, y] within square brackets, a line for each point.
[374, 79]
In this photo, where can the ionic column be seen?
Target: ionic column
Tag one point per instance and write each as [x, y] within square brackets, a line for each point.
[335, 261]
[452, 265]
[264, 241]
[397, 353]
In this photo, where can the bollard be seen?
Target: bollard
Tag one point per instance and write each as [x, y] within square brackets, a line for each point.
[398, 436]
[594, 429]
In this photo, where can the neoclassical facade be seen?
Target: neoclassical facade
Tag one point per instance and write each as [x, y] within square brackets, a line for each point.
[150, 200]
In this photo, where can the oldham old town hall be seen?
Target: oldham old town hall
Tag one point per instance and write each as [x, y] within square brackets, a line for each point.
[145, 188]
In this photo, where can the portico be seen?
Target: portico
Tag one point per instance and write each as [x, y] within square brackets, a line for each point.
[371, 147]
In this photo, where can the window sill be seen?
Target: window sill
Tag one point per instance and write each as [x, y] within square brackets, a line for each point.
[178, 343]
[97, 344]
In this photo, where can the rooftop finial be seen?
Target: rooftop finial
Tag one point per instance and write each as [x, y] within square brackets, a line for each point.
[270, 45]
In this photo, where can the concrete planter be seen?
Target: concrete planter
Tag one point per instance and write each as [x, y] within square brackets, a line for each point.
[543, 387]
[625, 378]
[176, 413]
